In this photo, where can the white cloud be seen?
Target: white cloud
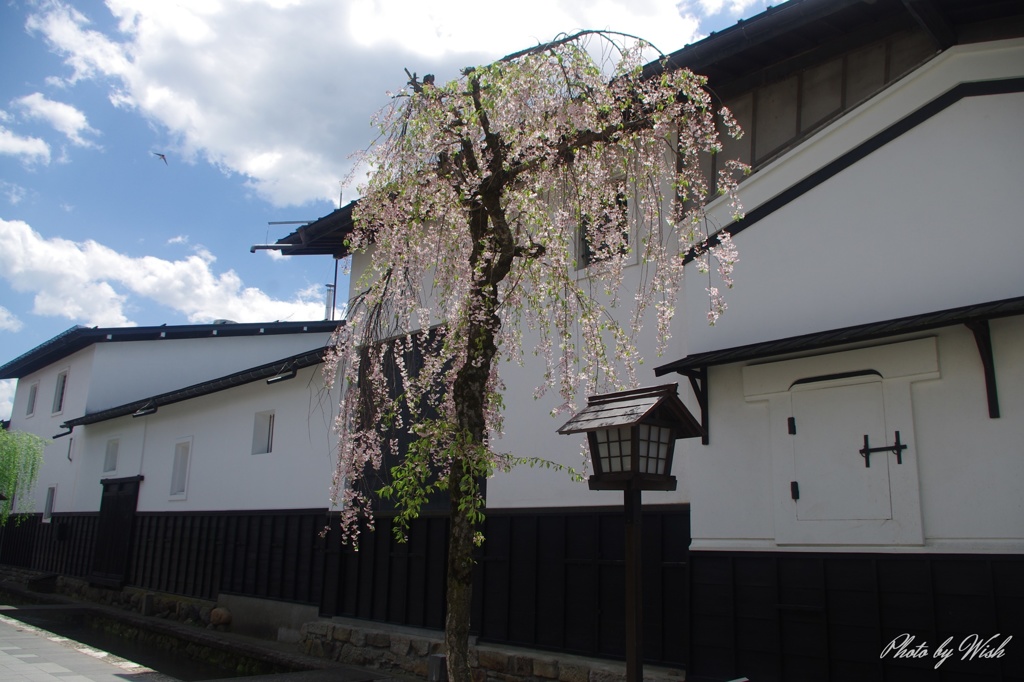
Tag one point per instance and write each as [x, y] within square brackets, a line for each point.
[30, 149]
[283, 92]
[8, 321]
[63, 117]
[706, 8]
[92, 284]
[15, 193]
[7, 387]
[437, 29]
[88, 52]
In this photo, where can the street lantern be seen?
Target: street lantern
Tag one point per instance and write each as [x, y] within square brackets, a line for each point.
[632, 437]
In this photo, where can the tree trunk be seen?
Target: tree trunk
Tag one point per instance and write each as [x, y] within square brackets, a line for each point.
[490, 260]
[460, 588]
[470, 395]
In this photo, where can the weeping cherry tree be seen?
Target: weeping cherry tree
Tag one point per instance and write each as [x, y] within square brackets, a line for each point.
[21, 455]
[484, 198]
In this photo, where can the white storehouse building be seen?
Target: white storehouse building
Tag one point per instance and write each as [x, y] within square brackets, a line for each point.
[863, 399]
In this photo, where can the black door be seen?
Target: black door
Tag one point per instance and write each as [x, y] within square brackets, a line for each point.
[111, 561]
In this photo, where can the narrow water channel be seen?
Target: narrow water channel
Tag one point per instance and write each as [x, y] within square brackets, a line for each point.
[161, 653]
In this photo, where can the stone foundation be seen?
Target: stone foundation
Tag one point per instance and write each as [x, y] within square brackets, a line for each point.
[400, 651]
[407, 652]
[168, 607]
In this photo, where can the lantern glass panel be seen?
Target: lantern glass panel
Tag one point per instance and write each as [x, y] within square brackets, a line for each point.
[654, 448]
[614, 448]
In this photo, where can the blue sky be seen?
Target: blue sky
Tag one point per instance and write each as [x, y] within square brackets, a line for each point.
[257, 105]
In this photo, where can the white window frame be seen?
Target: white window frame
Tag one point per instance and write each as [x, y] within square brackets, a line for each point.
[116, 442]
[31, 399]
[180, 467]
[60, 391]
[584, 263]
[51, 498]
[263, 433]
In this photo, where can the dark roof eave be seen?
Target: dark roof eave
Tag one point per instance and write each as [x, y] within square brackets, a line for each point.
[77, 338]
[326, 236]
[847, 335]
[772, 23]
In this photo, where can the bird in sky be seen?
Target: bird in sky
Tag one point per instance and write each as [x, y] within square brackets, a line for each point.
[163, 157]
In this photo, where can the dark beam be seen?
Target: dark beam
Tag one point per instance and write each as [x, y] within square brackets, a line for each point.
[983, 337]
[699, 383]
[932, 20]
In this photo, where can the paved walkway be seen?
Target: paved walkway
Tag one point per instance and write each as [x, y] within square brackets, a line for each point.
[29, 654]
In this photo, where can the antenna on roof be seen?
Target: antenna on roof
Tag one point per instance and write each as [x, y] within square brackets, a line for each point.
[329, 303]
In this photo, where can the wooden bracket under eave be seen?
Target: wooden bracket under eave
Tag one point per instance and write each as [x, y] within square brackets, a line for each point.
[983, 337]
[699, 383]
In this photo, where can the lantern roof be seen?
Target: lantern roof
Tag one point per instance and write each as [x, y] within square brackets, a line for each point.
[626, 408]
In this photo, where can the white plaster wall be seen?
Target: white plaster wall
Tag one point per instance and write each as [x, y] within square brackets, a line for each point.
[91, 445]
[969, 466]
[57, 469]
[730, 478]
[927, 222]
[130, 370]
[223, 474]
[930, 221]
[531, 429]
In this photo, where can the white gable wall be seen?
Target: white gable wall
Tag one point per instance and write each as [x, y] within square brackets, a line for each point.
[923, 223]
[57, 470]
[106, 375]
[131, 370]
[920, 224]
[223, 473]
[929, 221]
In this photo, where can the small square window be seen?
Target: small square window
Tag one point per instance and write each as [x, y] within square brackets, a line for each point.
[51, 494]
[179, 470]
[58, 393]
[263, 433]
[612, 216]
[30, 407]
[110, 459]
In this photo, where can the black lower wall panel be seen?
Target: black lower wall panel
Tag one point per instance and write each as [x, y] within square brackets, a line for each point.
[546, 579]
[830, 616]
[267, 554]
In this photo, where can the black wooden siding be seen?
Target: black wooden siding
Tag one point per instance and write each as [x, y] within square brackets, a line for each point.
[538, 579]
[552, 579]
[64, 546]
[556, 580]
[780, 616]
[271, 554]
